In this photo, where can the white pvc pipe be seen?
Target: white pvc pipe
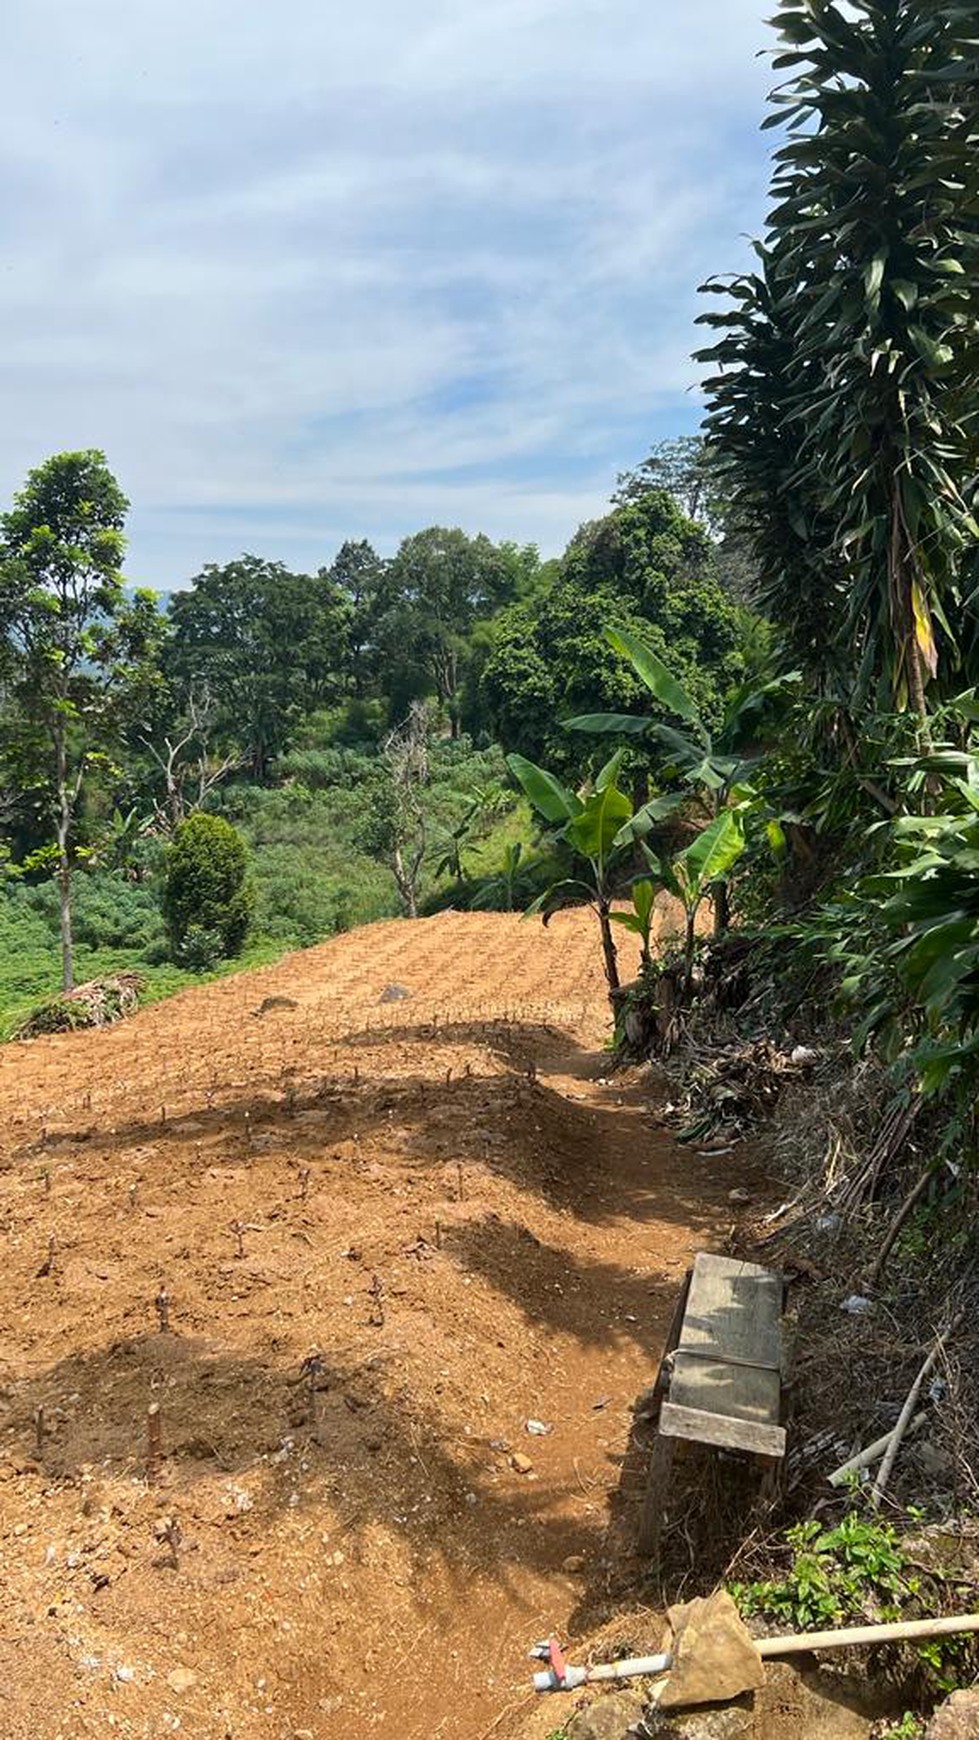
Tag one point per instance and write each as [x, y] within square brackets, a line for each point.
[635, 1668]
[654, 1665]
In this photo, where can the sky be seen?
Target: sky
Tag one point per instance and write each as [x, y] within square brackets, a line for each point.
[308, 271]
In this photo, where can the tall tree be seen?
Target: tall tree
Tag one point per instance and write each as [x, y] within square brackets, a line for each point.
[871, 286]
[363, 579]
[445, 582]
[268, 644]
[81, 653]
[645, 568]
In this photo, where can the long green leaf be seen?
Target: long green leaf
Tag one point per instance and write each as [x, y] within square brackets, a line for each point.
[712, 854]
[658, 680]
[608, 724]
[549, 797]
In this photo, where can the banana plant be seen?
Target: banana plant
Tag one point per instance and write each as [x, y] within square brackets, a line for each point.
[705, 863]
[596, 829]
[640, 919]
[713, 767]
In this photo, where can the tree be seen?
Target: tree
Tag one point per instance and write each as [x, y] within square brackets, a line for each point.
[641, 569]
[865, 317]
[206, 902]
[444, 583]
[269, 645]
[682, 469]
[180, 752]
[404, 754]
[80, 651]
[363, 579]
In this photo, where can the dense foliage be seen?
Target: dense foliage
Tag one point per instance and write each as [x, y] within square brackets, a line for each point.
[206, 898]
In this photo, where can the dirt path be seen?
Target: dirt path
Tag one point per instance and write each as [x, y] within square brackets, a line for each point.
[439, 1199]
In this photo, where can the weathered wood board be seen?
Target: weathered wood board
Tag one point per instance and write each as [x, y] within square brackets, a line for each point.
[733, 1313]
[726, 1386]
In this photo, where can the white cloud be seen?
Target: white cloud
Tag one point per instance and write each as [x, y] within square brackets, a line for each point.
[314, 270]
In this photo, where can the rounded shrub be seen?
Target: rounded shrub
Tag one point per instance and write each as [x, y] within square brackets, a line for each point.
[206, 893]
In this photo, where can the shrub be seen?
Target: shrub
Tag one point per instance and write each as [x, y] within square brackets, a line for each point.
[206, 890]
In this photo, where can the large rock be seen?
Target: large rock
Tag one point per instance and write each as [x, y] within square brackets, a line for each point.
[714, 1656]
[614, 1717]
[957, 1718]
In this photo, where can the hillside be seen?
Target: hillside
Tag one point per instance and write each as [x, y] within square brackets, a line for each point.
[394, 1155]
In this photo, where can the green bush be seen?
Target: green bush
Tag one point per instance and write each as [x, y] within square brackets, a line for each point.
[206, 890]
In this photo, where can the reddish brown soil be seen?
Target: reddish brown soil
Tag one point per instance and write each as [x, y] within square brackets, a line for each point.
[440, 1198]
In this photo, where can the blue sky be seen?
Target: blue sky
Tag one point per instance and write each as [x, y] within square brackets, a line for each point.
[309, 271]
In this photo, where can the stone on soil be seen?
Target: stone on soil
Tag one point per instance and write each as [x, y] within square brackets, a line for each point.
[714, 1657]
[615, 1717]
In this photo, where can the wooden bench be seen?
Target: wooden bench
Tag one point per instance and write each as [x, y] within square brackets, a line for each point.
[720, 1380]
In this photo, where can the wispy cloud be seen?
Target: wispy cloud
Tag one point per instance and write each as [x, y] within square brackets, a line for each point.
[312, 271]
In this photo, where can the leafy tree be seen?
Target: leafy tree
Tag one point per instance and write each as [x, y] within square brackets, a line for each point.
[680, 468]
[710, 765]
[850, 362]
[207, 901]
[268, 644]
[639, 570]
[363, 579]
[81, 654]
[445, 582]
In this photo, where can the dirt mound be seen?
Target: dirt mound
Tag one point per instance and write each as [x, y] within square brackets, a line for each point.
[384, 1233]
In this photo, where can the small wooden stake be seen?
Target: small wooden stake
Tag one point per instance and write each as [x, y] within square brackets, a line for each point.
[40, 1431]
[239, 1232]
[173, 1535]
[304, 1177]
[163, 1310]
[133, 1193]
[154, 1442]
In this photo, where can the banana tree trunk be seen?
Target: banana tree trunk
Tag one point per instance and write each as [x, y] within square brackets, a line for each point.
[689, 948]
[609, 950]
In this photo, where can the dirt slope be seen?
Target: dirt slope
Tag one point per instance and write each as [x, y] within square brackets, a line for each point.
[436, 1197]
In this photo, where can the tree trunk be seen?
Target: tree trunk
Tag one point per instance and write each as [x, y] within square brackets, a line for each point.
[689, 946]
[609, 950]
[64, 861]
[722, 908]
[406, 885]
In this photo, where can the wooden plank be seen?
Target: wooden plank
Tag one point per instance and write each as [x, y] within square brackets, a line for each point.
[721, 1431]
[741, 1392]
[734, 1312]
[657, 1496]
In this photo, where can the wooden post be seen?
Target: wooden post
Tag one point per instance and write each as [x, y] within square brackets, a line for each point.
[655, 1501]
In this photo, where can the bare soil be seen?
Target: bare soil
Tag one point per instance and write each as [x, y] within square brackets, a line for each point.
[392, 1229]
